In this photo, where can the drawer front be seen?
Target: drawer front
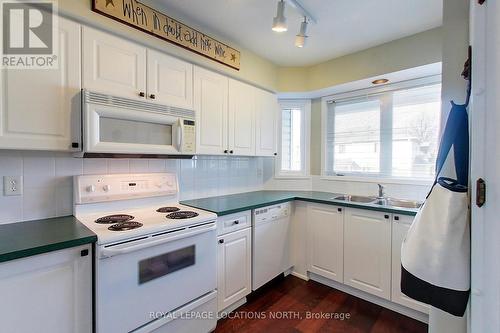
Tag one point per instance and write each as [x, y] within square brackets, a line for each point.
[233, 222]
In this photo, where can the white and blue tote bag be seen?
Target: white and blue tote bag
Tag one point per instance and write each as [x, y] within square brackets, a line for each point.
[435, 255]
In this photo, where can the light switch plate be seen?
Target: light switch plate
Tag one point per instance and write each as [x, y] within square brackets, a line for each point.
[12, 185]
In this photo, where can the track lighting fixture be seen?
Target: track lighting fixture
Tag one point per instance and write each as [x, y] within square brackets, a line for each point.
[279, 22]
[300, 38]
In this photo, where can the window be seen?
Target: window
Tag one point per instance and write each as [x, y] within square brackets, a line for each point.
[392, 134]
[293, 158]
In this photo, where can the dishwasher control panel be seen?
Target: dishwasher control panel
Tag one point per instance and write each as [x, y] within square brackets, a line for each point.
[272, 212]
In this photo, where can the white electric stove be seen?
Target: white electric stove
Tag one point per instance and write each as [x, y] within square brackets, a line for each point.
[154, 257]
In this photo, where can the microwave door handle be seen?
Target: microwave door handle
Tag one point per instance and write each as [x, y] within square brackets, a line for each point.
[109, 252]
[180, 136]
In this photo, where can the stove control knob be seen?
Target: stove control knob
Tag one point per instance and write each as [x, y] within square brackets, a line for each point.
[106, 188]
[91, 188]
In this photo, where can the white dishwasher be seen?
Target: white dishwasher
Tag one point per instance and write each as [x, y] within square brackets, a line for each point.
[271, 239]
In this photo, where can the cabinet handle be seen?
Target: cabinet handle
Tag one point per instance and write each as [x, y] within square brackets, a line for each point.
[84, 253]
[221, 241]
[339, 209]
[386, 216]
[275, 154]
[152, 96]
[225, 151]
[142, 94]
[75, 145]
[230, 152]
[396, 218]
[236, 222]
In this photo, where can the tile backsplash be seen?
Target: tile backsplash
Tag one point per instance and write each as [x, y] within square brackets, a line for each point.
[48, 184]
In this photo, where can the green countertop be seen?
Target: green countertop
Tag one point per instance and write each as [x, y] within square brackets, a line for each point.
[24, 239]
[228, 204]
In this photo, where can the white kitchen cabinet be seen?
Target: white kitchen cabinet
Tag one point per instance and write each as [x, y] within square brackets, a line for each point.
[234, 264]
[40, 108]
[170, 80]
[325, 241]
[210, 102]
[266, 112]
[241, 126]
[400, 226]
[50, 292]
[367, 251]
[113, 65]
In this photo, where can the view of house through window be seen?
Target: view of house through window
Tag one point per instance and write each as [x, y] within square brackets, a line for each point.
[394, 134]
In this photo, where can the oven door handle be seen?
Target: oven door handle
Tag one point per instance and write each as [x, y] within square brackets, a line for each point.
[106, 252]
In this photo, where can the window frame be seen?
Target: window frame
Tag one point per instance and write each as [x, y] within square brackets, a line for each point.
[305, 106]
[366, 93]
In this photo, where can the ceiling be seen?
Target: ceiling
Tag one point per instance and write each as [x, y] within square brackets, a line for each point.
[344, 26]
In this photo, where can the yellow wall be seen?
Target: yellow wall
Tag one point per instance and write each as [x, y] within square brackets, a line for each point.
[416, 50]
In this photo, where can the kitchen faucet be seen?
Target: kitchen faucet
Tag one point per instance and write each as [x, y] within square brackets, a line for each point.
[381, 191]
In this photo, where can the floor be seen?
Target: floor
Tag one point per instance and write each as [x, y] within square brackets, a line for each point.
[287, 304]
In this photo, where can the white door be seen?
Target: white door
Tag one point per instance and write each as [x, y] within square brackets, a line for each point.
[266, 111]
[325, 242]
[50, 292]
[112, 65]
[241, 130]
[170, 80]
[400, 226]
[234, 265]
[40, 108]
[210, 102]
[367, 251]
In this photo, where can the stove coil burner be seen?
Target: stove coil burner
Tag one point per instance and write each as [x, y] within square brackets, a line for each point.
[110, 219]
[124, 226]
[182, 215]
[167, 209]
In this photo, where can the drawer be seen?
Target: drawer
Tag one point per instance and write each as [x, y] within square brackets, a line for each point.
[233, 222]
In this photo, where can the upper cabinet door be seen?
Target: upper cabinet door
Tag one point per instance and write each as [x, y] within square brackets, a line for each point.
[241, 129]
[266, 112]
[170, 80]
[210, 102]
[367, 251]
[112, 65]
[40, 108]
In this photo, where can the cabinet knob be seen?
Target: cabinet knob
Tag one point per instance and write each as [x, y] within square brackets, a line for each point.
[225, 151]
[396, 218]
[221, 241]
[386, 216]
[275, 154]
[236, 222]
[152, 96]
[75, 145]
[142, 94]
[230, 152]
[339, 209]
[84, 253]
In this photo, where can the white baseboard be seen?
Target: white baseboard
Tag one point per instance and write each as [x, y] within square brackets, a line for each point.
[371, 298]
[300, 276]
[233, 306]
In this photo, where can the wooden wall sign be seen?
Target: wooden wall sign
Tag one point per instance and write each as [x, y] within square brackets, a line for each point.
[147, 19]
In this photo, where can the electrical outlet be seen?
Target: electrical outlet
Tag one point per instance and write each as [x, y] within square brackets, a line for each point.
[12, 185]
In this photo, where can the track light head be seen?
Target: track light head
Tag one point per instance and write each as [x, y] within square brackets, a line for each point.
[301, 37]
[279, 22]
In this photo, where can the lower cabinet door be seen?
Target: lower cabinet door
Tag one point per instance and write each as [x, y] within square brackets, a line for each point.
[234, 261]
[325, 243]
[367, 251]
[400, 226]
[50, 292]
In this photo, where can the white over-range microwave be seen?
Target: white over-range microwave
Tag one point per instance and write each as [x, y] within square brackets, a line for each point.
[120, 126]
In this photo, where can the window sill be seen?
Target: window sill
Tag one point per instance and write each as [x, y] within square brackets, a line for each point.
[284, 177]
[401, 181]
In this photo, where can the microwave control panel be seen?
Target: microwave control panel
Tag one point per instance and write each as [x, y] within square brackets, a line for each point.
[189, 139]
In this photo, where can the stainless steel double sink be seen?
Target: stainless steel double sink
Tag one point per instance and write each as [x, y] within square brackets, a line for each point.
[392, 202]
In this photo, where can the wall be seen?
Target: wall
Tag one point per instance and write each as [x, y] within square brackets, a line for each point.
[416, 50]
[254, 69]
[48, 189]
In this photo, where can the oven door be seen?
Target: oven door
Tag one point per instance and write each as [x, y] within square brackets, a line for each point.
[112, 129]
[137, 280]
